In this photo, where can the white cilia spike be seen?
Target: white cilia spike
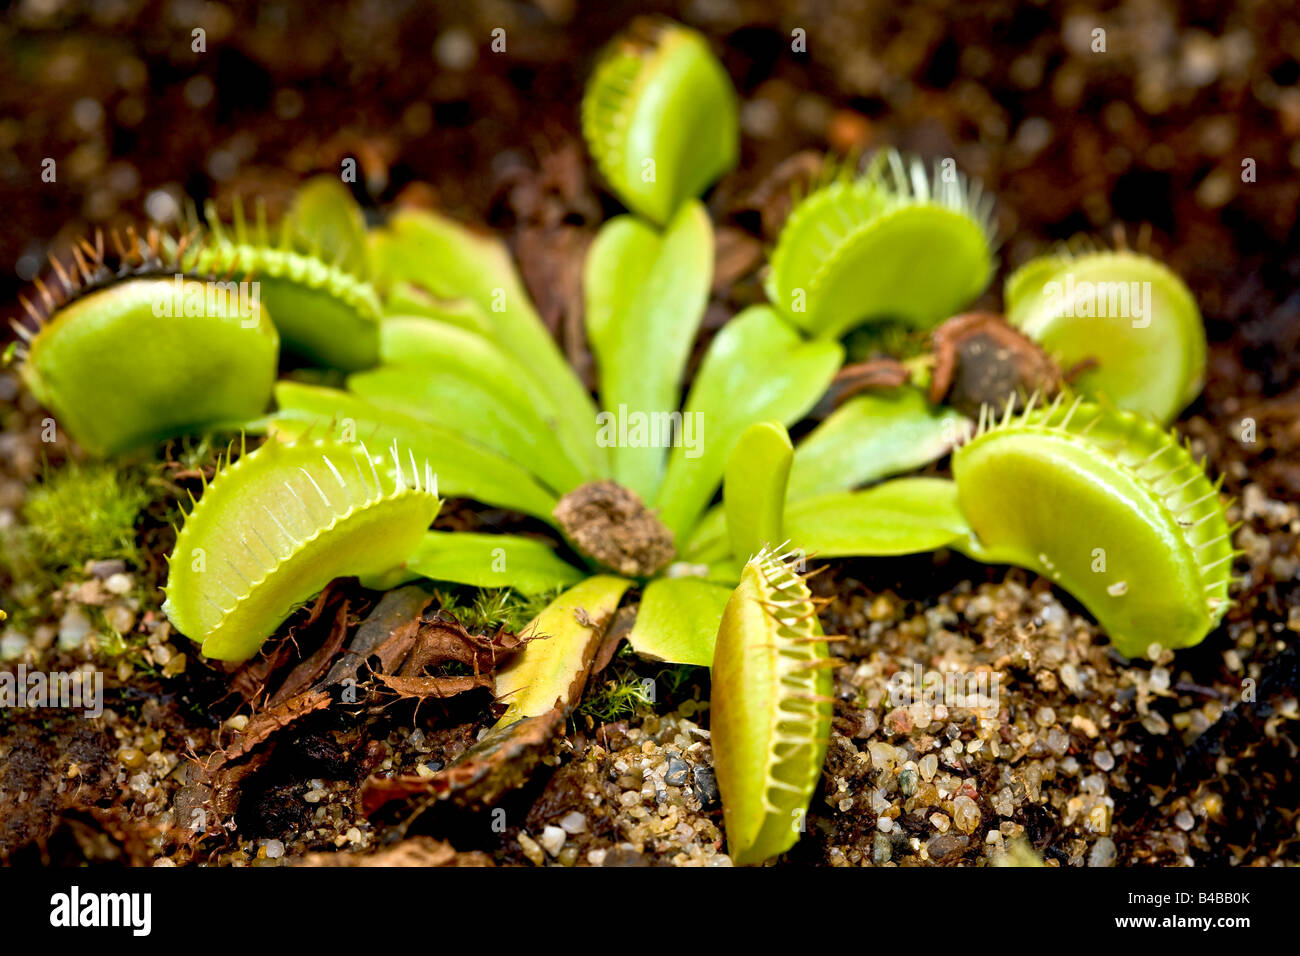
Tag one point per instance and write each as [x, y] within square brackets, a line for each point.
[334, 471]
[397, 467]
[307, 474]
[374, 473]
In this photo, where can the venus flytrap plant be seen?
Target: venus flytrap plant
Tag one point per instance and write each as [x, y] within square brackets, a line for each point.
[279, 524]
[133, 349]
[490, 375]
[678, 615]
[1127, 313]
[771, 707]
[897, 241]
[659, 116]
[325, 313]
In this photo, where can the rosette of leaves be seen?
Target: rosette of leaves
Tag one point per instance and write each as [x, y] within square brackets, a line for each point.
[475, 385]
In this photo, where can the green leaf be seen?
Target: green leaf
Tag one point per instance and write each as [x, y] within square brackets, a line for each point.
[431, 346]
[756, 368]
[678, 620]
[1135, 318]
[552, 668]
[897, 242]
[660, 119]
[464, 468]
[754, 488]
[870, 437]
[328, 222]
[452, 262]
[645, 295]
[406, 299]
[528, 565]
[462, 403]
[903, 516]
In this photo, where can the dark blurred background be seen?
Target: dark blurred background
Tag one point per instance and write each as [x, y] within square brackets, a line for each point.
[1149, 134]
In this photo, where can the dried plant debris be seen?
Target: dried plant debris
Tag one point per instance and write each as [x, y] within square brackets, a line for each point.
[979, 360]
[501, 760]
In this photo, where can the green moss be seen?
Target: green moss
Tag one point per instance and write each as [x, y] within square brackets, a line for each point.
[882, 338]
[621, 695]
[81, 513]
[490, 608]
[632, 685]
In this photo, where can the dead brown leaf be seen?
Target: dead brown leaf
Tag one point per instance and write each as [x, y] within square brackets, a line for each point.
[500, 762]
[445, 639]
[260, 728]
[618, 629]
[736, 255]
[302, 676]
[393, 625]
[421, 688]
